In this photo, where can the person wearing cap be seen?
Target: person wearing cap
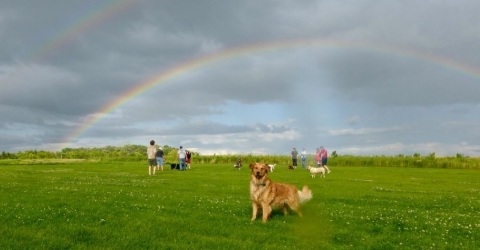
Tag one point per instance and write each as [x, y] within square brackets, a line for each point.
[181, 157]
[151, 151]
[324, 158]
[159, 155]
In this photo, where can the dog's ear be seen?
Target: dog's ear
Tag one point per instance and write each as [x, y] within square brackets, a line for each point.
[252, 165]
[266, 167]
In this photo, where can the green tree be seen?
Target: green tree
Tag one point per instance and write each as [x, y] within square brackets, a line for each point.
[334, 154]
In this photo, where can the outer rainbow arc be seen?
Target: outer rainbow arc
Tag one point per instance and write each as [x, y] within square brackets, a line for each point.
[94, 17]
[198, 62]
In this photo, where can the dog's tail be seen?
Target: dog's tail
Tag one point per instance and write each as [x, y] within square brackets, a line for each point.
[305, 194]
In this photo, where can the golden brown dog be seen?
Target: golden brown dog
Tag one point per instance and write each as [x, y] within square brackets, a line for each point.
[266, 194]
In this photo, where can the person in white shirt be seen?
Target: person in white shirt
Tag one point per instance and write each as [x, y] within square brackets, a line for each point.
[303, 156]
[181, 157]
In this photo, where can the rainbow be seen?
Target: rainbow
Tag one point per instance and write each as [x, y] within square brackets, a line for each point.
[69, 33]
[199, 62]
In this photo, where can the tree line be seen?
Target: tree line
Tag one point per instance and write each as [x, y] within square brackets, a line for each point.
[138, 153]
[126, 152]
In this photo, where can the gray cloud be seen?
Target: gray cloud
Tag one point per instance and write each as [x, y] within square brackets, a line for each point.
[396, 77]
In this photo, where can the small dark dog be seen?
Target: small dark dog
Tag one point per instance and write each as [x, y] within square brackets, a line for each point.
[290, 167]
[238, 165]
[174, 166]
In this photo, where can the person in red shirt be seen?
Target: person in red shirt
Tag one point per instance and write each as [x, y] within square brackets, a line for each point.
[318, 159]
[324, 157]
[188, 158]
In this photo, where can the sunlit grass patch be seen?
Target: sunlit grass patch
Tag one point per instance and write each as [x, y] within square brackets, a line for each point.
[119, 206]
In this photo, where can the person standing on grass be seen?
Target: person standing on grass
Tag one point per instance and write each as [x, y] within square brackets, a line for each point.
[160, 161]
[152, 158]
[318, 159]
[303, 156]
[294, 157]
[181, 158]
[324, 157]
[188, 156]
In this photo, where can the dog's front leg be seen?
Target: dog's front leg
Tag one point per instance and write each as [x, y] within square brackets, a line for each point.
[254, 210]
[266, 212]
[284, 209]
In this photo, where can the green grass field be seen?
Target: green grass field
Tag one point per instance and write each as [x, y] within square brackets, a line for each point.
[79, 205]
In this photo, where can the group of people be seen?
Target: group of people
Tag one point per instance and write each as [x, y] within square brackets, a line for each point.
[184, 157]
[156, 158]
[321, 158]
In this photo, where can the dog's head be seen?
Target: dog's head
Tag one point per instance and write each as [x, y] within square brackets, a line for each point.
[309, 167]
[259, 170]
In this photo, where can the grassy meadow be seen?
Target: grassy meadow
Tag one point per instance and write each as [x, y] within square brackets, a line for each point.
[95, 205]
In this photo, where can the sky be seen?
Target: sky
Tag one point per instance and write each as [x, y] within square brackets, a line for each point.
[359, 77]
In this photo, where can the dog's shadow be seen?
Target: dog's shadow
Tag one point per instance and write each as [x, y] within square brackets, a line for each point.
[277, 213]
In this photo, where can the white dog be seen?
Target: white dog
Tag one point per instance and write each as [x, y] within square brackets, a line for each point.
[314, 171]
[272, 166]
